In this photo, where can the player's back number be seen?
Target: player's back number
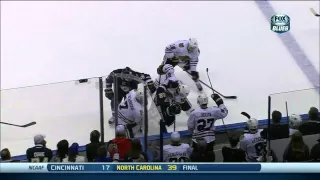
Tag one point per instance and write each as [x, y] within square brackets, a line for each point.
[180, 159]
[205, 124]
[259, 147]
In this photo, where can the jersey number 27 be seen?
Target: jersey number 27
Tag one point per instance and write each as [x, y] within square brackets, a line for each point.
[205, 124]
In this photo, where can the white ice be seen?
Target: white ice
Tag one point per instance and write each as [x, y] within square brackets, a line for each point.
[45, 42]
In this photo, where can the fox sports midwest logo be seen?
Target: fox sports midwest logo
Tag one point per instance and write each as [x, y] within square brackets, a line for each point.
[280, 23]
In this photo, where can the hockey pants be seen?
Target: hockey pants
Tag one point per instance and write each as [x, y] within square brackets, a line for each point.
[210, 147]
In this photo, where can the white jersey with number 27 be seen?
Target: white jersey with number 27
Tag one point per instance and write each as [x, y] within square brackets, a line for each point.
[202, 122]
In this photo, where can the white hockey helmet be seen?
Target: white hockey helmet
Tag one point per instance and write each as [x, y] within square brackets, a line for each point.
[139, 96]
[295, 121]
[120, 130]
[252, 124]
[202, 99]
[175, 137]
[193, 44]
[183, 90]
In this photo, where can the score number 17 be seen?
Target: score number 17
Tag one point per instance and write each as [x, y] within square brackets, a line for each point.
[105, 167]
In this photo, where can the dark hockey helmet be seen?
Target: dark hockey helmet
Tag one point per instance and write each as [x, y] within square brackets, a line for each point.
[126, 71]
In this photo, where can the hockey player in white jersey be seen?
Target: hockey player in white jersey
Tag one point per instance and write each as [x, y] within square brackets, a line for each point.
[201, 120]
[252, 142]
[176, 151]
[171, 98]
[183, 53]
[130, 112]
[294, 123]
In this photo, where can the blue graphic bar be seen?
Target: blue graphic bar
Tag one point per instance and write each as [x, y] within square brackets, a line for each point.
[159, 167]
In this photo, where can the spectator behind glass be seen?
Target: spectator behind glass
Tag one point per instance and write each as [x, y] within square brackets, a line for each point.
[277, 130]
[120, 143]
[202, 155]
[315, 152]
[62, 151]
[92, 147]
[39, 153]
[102, 155]
[297, 150]
[73, 155]
[313, 125]
[6, 156]
[233, 153]
[136, 154]
[313, 114]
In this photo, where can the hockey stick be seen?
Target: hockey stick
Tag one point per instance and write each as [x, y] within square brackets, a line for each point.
[225, 127]
[314, 12]
[246, 115]
[23, 126]
[226, 97]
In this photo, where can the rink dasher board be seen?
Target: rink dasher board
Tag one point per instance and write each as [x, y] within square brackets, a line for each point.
[160, 167]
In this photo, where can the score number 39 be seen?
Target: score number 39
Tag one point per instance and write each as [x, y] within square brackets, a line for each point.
[172, 167]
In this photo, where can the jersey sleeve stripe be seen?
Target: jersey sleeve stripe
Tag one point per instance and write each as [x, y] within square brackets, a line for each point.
[126, 120]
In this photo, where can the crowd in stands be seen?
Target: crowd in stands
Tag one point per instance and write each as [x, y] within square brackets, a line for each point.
[122, 149]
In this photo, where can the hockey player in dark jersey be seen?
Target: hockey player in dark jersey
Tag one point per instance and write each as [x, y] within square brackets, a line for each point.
[125, 86]
[183, 53]
[39, 153]
[171, 98]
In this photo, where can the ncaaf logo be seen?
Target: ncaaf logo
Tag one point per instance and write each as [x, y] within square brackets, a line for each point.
[280, 23]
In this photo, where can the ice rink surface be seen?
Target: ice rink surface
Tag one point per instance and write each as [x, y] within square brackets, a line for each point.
[73, 40]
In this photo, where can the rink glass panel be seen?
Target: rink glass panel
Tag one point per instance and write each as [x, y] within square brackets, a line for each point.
[298, 102]
[150, 136]
[67, 110]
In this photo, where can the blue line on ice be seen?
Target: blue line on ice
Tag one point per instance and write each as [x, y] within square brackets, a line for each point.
[293, 47]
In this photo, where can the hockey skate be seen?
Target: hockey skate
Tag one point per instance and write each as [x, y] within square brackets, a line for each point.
[199, 86]
[111, 120]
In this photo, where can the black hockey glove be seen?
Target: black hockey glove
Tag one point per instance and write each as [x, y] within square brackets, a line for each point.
[160, 70]
[186, 68]
[217, 99]
[109, 93]
[174, 109]
[195, 75]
